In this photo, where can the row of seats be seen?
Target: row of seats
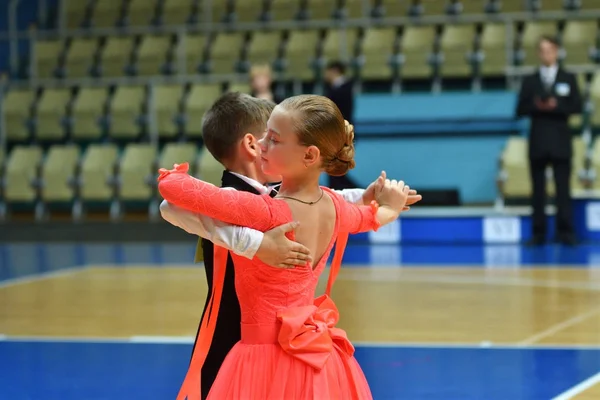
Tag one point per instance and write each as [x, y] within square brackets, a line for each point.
[127, 112]
[100, 174]
[377, 51]
[89, 114]
[515, 180]
[110, 13]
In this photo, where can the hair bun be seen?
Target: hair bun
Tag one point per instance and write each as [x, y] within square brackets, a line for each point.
[343, 161]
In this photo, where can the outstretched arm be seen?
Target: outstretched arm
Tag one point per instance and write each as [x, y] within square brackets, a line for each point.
[229, 206]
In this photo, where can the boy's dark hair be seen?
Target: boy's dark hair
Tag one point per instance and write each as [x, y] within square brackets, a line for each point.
[549, 39]
[337, 65]
[230, 117]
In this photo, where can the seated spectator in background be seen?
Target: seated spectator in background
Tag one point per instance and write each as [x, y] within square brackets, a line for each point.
[261, 84]
[339, 90]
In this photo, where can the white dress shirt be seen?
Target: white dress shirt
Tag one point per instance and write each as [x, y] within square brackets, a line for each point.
[548, 74]
[239, 239]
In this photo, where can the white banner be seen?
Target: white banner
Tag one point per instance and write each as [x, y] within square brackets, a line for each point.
[592, 216]
[388, 234]
[501, 229]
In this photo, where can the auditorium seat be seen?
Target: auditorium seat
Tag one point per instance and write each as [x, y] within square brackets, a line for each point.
[115, 57]
[141, 12]
[511, 6]
[579, 161]
[493, 48]
[530, 37]
[176, 12]
[107, 13]
[577, 39]
[22, 168]
[300, 54]
[319, 10]
[58, 170]
[80, 56]
[242, 87]
[219, 11]
[552, 5]
[394, 8]
[340, 44]
[97, 173]
[576, 120]
[75, 13]
[125, 111]
[514, 169]
[198, 100]
[263, 47]
[50, 114]
[193, 48]
[457, 45]
[17, 105]
[378, 46]
[167, 101]
[434, 7]
[88, 109]
[153, 55]
[208, 168]
[225, 52]
[178, 153]
[248, 10]
[595, 162]
[473, 6]
[595, 97]
[47, 57]
[354, 9]
[417, 48]
[284, 10]
[137, 169]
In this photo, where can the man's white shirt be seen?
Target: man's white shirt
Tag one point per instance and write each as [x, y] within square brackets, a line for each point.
[239, 239]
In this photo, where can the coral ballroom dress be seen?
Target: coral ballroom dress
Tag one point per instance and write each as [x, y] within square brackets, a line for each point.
[290, 347]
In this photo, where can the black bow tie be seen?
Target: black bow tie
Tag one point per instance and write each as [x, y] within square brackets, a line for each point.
[274, 190]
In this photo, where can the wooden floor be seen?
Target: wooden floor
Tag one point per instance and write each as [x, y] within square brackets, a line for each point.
[381, 305]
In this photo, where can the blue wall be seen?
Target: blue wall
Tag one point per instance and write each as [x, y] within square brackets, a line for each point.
[26, 16]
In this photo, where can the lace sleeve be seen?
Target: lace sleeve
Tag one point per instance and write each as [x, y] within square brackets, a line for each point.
[230, 206]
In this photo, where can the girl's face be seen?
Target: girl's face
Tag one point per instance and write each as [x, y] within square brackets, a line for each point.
[282, 153]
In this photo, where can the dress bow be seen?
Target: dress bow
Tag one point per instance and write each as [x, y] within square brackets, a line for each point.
[163, 172]
[309, 333]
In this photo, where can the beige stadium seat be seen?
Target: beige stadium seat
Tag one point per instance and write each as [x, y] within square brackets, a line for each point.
[264, 47]
[141, 12]
[242, 87]
[136, 167]
[88, 108]
[434, 7]
[284, 10]
[394, 8]
[577, 39]
[530, 37]
[248, 10]
[47, 55]
[579, 155]
[354, 9]
[97, 170]
[116, 56]
[193, 47]
[321, 9]
[473, 7]
[300, 53]
[493, 47]
[17, 112]
[176, 12]
[125, 110]
[51, 110]
[515, 168]
[80, 57]
[512, 6]
[75, 13]
[596, 163]
[417, 47]
[340, 44]
[219, 9]
[106, 13]
[21, 170]
[225, 52]
[152, 54]
[57, 173]
[595, 98]
[378, 45]
[208, 168]
[198, 100]
[576, 120]
[553, 5]
[178, 153]
[167, 99]
[457, 44]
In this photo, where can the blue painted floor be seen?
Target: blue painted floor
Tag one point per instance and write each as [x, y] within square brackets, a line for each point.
[115, 371]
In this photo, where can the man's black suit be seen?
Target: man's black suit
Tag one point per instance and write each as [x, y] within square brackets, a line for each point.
[227, 329]
[550, 143]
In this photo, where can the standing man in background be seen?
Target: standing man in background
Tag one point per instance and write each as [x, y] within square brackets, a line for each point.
[549, 97]
[339, 90]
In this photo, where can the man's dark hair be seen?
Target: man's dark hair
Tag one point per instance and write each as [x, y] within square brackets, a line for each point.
[549, 39]
[230, 117]
[338, 66]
